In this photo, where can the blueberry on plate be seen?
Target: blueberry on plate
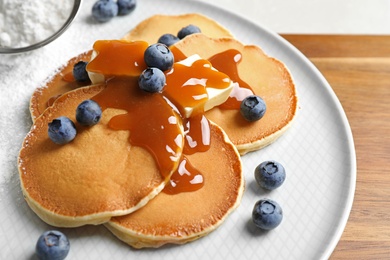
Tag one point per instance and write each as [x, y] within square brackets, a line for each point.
[80, 71]
[267, 214]
[270, 175]
[168, 39]
[52, 245]
[159, 56]
[189, 29]
[88, 113]
[152, 80]
[252, 108]
[62, 130]
[126, 6]
[104, 10]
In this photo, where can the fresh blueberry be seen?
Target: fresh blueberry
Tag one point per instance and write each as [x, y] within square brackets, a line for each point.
[159, 56]
[190, 29]
[62, 130]
[267, 214]
[52, 245]
[104, 10]
[126, 6]
[168, 39]
[252, 108]
[88, 112]
[80, 71]
[270, 175]
[152, 80]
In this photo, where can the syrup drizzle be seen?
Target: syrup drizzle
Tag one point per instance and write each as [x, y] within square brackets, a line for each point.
[187, 178]
[118, 58]
[149, 118]
[186, 85]
[227, 62]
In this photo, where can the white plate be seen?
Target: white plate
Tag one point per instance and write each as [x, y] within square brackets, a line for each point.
[317, 152]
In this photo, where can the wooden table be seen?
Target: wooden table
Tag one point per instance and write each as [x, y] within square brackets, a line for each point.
[358, 69]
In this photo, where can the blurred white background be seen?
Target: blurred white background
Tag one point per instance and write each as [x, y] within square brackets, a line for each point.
[315, 16]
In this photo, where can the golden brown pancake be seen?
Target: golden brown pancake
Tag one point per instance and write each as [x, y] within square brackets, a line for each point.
[186, 216]
[99, 174]
[268, 78]
[148, 30]
[152, 28]
[60, 83]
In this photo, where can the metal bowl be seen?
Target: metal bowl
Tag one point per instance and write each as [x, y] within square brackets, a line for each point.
[37, 45]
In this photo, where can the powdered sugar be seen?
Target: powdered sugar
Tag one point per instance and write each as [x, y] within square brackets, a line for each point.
[23, 23]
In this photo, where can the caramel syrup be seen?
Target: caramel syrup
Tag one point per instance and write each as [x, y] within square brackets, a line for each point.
[187, 178]
[178, 54]
[51, 100]
[68, 77]
[197, 134]
[227, 62]
[150, 119]
[186, 85]
[118, 58]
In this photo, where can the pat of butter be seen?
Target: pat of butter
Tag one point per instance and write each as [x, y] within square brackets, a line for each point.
[94, 76]
[214, 96]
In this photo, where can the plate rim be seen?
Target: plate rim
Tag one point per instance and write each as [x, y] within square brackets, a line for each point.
[346, 125]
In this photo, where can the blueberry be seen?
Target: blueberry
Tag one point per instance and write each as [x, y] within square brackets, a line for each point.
[190, 29]
[62, 130]
[159, 56]
[152, 80]
[104, 10]
[88, 112]
[126, 6]
[270, 175]
[267, 214]
[80, 71]
[52, 245]
[168, 39]
[252, 108]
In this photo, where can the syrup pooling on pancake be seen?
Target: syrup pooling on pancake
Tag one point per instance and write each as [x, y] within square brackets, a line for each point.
[116, 58]
[189, 85]
[149, 118]
[225, 62]
[197, 139]
[268, 78]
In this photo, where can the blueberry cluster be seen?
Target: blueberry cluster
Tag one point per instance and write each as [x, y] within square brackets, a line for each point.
[159, 58]
[105, 10]
[267, 214]
[169, 39]
[62, 130]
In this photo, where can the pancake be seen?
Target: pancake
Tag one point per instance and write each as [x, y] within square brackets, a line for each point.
[186, 216]
[100, 173]
[61, 82]
[266, 76]
[155, 26]
[148, 30]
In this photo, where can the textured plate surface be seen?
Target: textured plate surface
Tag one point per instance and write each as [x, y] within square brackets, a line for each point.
[317, 152]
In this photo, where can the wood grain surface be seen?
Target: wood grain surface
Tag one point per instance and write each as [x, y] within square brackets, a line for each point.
[358, 69]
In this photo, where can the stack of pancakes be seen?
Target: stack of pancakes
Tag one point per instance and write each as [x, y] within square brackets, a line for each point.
[101, 178]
